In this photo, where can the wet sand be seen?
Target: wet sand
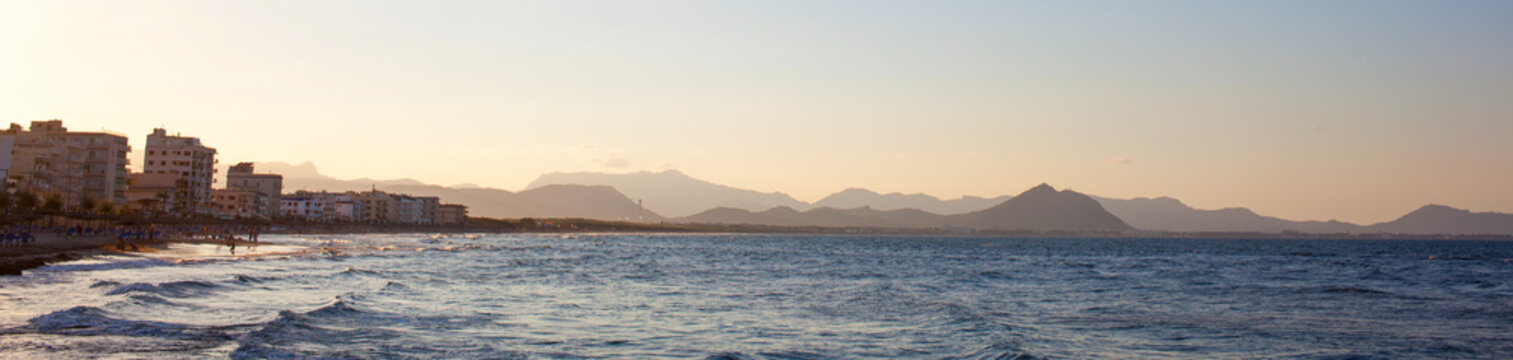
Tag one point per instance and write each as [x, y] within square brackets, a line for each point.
[51, 248]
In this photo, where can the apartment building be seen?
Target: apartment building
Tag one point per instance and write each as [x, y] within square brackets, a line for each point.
[49, 160]
[374, 207]
[451, 214]
[268, 188]
[232, 204]
[189, 160]
[322, 206]
[155, 193]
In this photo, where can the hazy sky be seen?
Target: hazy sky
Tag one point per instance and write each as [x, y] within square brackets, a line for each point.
[1356, 110]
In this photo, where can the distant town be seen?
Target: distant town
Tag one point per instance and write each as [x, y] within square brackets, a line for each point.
[50, 169]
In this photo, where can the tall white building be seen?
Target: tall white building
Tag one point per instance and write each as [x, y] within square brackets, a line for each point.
[187, 158]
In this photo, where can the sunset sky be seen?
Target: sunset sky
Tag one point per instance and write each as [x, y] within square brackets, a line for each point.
[1311, 110]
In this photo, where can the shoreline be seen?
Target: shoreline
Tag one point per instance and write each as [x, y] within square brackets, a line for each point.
[51, 248]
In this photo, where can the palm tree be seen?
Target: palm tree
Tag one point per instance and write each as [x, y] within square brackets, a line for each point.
[88, 204]
[26, 201]
[53, 202]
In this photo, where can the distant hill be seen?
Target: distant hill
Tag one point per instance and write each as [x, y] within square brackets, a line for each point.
[305, 177]
[1168, 214]
[1039, 209]
[826, 217]
[304, 170]
[1042, 208]
[673, 193]
[605, 197]
[1440, 219]
[676, 194]
[576, 201]
[855, 198]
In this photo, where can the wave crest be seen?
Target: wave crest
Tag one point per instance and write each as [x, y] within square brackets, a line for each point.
[179, 289]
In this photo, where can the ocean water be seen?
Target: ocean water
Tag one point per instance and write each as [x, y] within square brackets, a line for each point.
[770, 297]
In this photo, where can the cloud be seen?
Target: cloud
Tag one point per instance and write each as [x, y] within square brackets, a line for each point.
[603, 156]
[613, 162]
[1123, 160]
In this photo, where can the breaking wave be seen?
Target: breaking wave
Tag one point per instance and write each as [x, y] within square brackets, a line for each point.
[779, 297]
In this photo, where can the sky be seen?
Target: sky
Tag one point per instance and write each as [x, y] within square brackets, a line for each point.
[1310, 110]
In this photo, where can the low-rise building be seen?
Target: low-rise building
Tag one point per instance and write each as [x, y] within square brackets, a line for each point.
[378, 207]
[452, 214]
[155, 194]
[267, 188]
[308, 207]
[430, 208]
[235, 204]
[345, 209]
[322, 206]
[374, 207]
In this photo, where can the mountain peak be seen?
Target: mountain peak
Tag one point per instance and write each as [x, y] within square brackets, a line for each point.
[1043, 188]
[858, 191]
[1441, 219]
[1042, 208]
[305, 170]
[1437, 208]
[673, 193]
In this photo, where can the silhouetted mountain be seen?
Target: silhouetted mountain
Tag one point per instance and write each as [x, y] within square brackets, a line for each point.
[1039, 209]
[856, 197]
[1042, 208]
[827, 217]
[305, 170]
[555, 201]
[576, 201]
[1440, 219]
[1168, 214]
[305, 177]
[673, 193]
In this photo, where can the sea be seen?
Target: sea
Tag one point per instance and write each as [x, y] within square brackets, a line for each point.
[753, 296]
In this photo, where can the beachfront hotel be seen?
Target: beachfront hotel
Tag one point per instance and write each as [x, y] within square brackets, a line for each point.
[188, 160]
[75, 167]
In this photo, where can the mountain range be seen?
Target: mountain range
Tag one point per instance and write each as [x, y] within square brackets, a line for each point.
[672, 193]
[687, 199]
[1041, 208]
[565, 201]
[675, 194]
[1168, 214]
[857, 197]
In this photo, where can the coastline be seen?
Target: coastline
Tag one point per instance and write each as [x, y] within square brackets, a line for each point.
[50, 248]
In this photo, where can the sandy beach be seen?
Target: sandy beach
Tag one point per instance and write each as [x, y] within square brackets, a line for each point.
[51, 248]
